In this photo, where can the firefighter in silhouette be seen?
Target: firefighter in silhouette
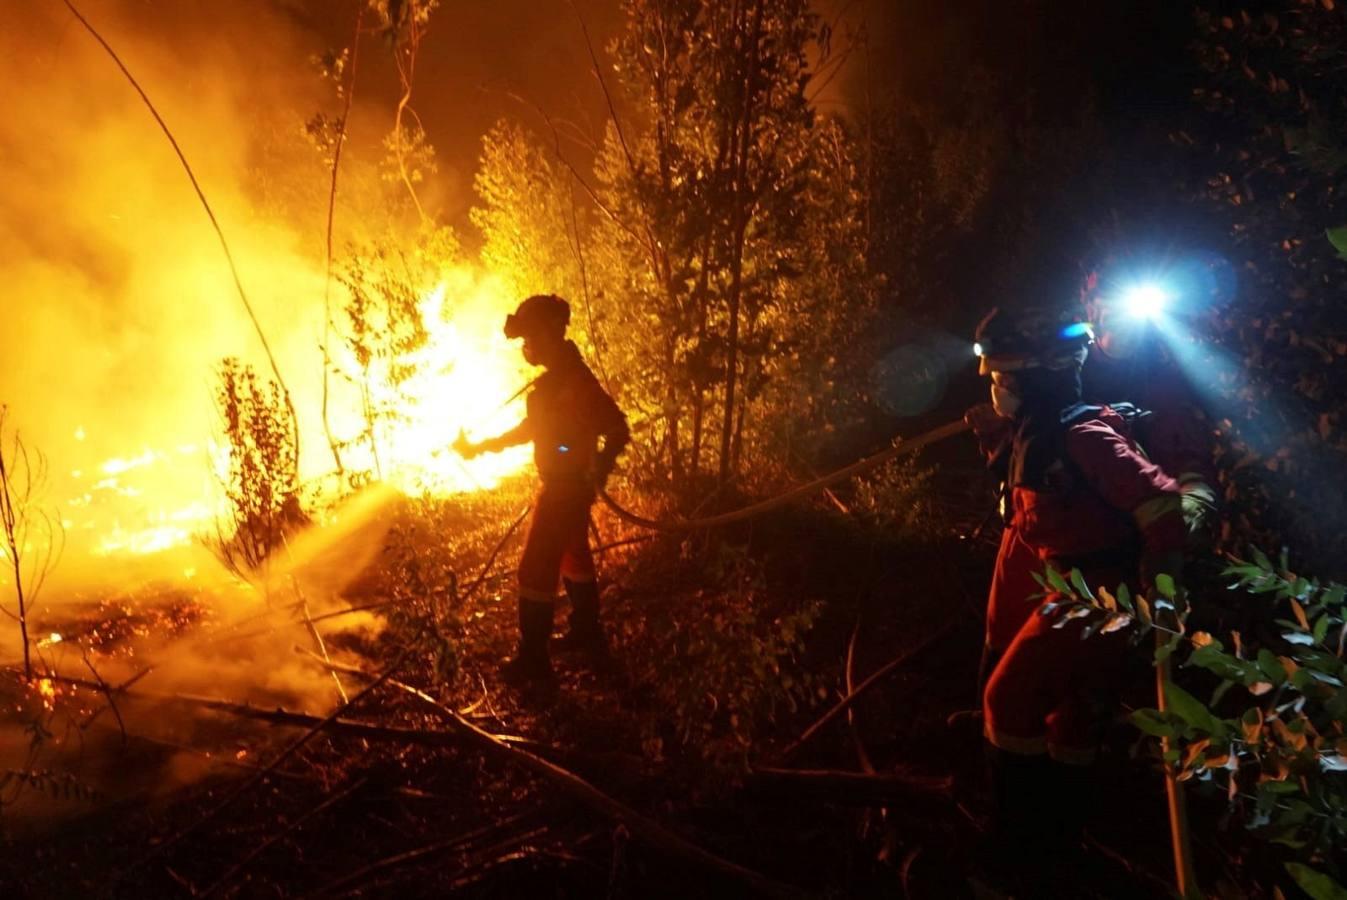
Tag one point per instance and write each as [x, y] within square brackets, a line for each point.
[1080, 494]
[577, 433]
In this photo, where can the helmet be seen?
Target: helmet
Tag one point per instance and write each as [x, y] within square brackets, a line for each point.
[1031, 338]
[541, 312]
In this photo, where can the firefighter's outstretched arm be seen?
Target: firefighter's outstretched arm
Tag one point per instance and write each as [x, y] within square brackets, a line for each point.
[520, 434]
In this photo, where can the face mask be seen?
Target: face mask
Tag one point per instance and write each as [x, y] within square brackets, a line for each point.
[1005, 402]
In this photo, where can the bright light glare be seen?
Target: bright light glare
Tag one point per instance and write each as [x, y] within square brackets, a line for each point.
[1146, 301]
[977, 349]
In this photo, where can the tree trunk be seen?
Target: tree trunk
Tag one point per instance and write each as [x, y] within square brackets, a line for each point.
[740, 215]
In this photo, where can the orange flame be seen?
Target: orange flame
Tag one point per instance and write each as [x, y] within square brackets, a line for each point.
[459, 379]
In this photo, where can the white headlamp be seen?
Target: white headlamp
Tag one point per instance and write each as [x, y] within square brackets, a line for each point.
[1146, 301]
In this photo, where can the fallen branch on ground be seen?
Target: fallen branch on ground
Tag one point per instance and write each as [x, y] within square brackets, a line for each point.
[290, 826]
[356, 729]
[862, 755]
[290, 750]
[109, 694]
[457, 842]
[845, 703]
[653, 833]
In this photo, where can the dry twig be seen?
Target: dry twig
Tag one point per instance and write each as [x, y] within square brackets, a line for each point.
[888, 668]
[458, 842]
[242, 864]
[640, 825]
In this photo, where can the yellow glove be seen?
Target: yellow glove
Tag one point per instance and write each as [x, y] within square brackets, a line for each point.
[1198, 504]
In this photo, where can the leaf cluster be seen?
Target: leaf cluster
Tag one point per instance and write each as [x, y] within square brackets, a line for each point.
[1273, 737]
[721, 663]
[53, 785]
[718, 251]
[1268, 154]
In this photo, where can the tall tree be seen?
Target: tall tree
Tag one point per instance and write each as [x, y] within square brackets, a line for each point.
[712, 195]
[718, 248]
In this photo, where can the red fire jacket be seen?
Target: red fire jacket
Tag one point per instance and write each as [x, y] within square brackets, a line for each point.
[568, 411]
[1090, 522]
[1176, 434]
[1104, 501]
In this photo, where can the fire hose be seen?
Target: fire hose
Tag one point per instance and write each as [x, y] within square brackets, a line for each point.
[906, 446]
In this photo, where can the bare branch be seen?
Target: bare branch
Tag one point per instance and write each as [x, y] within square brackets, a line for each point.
[331, 216]
[107, 692]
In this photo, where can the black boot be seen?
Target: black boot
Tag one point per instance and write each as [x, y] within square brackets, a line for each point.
[532, 663]
[1024, 798]
[585, 634]
[1038, 806]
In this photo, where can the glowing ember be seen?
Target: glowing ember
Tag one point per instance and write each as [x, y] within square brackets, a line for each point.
[147, 540]
[46, 689]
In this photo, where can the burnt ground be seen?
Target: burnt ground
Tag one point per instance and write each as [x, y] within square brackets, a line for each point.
[702, 695]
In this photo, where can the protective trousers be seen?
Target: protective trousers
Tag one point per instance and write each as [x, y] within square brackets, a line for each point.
[558, 541]
[1008, 603]
[1042, 695]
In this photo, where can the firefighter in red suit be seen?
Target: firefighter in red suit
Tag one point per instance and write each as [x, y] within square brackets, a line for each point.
[1081, 495]
[577, 433]
[1128, 362]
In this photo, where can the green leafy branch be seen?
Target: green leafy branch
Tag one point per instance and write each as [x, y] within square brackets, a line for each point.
[1277, 747]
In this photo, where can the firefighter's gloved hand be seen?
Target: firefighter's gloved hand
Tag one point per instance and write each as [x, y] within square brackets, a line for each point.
[991, 429]
[464, 447]
[986, 421]
[1198, 503]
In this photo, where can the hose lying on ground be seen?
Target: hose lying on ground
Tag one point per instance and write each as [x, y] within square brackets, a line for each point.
[910, 445]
